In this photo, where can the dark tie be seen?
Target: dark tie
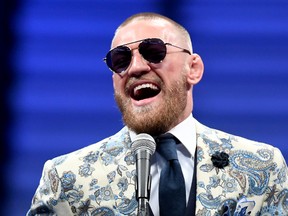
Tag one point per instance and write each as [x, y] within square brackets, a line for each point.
[172, 195]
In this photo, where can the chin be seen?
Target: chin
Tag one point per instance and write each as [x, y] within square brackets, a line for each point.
[145, 120]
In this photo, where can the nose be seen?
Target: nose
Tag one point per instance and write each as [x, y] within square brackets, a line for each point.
[138, 65]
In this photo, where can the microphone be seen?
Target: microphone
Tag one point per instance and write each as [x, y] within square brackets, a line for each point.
[143, 147]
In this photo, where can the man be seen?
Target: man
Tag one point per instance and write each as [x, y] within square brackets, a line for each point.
[154, 71]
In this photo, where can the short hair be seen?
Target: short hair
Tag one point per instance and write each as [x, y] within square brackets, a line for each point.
[155, 16]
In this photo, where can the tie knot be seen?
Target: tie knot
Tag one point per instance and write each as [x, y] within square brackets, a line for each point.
[166, 146]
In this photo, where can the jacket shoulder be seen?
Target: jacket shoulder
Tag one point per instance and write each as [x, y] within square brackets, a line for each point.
[114, 145]
[211, 135]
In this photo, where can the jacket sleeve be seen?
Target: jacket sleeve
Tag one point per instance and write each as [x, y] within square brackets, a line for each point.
[275, 201]
[47, 193]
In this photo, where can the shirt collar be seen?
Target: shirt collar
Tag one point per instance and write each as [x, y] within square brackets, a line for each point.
[186, 133]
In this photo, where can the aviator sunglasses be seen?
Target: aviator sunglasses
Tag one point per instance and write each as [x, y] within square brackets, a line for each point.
[152, 50]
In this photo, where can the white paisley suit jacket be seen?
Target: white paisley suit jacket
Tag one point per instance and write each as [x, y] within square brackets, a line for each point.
[99, 179]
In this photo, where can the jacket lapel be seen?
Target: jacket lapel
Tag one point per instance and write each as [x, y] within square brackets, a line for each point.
[207, 142]
[215, 188]
[121, 171]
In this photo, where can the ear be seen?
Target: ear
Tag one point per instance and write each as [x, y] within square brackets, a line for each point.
[196, 69]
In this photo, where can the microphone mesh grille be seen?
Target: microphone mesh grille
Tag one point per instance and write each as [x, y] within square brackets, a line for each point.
[144, 141]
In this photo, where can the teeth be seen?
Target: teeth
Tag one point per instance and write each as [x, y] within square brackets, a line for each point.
[146, 85]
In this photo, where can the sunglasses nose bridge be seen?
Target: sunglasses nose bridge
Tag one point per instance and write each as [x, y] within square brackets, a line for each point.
[136, 56]
[138, 63]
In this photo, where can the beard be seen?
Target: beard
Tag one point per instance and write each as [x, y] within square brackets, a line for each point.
[155, 119]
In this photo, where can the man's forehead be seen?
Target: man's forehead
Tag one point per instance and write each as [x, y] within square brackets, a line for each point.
[141, 29]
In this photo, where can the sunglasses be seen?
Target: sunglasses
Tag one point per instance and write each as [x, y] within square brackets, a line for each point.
[152, 50]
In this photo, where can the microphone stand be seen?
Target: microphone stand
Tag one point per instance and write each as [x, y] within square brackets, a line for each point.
[143, 207]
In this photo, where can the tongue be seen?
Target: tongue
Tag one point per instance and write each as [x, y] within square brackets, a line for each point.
[144, 93]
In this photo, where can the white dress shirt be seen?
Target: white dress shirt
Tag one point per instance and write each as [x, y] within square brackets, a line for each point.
[186, 134]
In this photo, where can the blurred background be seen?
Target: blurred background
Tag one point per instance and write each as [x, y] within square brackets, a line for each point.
[57, 96]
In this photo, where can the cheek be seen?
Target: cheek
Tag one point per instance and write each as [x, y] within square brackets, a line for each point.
[118, 83]
[174, 72]
[114, 81]
[173, 66]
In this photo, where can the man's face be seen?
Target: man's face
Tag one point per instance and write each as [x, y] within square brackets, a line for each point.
[153, 98]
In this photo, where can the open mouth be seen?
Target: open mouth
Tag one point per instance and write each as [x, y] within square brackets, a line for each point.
[144, 91]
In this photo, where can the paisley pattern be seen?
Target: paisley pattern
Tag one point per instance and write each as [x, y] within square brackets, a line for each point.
[257, 173]
[100, 179]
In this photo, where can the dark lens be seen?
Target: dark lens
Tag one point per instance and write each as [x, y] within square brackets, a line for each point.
[153, 50]
[118, 59]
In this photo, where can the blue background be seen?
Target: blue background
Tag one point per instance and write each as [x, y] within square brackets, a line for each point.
[60, 96]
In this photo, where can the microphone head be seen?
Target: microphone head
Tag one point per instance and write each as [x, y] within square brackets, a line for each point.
[145, 142]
